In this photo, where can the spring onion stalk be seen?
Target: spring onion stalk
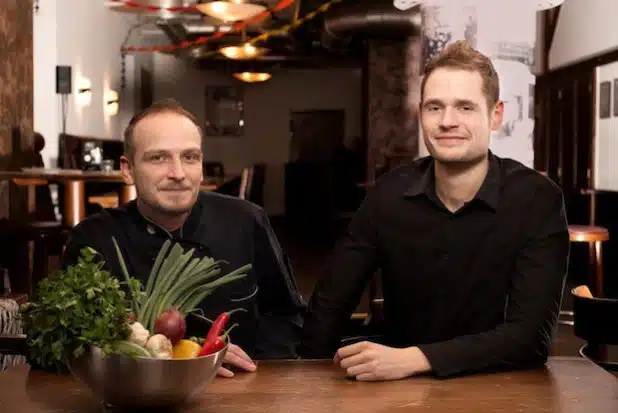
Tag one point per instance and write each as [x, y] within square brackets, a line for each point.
[154, 271]
[125, 273]
[176, 280]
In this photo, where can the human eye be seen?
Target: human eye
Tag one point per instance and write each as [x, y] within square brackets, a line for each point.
[432, 107]
[192, 157]
[155, 157]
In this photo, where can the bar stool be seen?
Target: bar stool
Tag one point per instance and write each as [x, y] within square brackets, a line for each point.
[594, 236]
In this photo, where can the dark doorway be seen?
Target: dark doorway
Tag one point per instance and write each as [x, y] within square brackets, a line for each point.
[322, 175]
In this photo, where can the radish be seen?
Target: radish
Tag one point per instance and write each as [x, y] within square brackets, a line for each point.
[171, 324]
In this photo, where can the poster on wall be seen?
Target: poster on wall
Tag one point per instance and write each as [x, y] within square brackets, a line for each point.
[515, 137]
[509, 42]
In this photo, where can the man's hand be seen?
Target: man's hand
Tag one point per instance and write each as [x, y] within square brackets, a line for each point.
[237, 358]
[367, 361]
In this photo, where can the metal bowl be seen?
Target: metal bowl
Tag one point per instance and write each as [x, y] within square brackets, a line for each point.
[126, 382]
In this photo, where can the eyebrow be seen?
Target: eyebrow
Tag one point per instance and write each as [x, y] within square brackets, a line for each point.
[458, 102]
[166, 152]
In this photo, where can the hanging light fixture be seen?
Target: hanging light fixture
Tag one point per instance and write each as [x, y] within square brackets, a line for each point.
[533, 4]
[252, 77]
[231, 10]
[242, 52]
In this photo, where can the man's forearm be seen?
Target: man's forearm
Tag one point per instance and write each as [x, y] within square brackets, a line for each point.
[509, 346]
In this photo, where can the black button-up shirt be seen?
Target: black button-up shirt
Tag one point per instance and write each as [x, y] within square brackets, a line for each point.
[477, 289]
[228, 229]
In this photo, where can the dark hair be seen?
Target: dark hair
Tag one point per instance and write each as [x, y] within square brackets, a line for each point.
[161, 106]
[460, 55]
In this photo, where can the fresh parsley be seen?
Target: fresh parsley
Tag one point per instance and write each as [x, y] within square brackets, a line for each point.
[74, 309]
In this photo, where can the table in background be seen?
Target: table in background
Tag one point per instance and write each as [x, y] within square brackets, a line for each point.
[73, 181]
[566, 385]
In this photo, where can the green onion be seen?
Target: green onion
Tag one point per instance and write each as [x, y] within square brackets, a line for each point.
[127, 277]
[176, 280]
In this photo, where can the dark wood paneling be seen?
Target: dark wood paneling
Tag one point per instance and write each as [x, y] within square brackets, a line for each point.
[16, 83]
[564, 137]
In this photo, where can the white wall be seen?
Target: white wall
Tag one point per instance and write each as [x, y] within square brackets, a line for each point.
[267, 113]
[606, 129]
[87, 36]
[586, 28]
[46, 102]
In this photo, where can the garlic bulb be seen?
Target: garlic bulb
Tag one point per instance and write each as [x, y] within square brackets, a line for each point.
[139, 334]
[160, 346]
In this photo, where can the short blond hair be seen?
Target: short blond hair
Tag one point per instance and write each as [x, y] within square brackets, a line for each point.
[161, 106]
[460, 55]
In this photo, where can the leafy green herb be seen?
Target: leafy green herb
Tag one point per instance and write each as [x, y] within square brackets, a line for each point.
[74, 309]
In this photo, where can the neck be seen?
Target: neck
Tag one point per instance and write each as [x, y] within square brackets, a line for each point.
[170, 222]
[457, 184]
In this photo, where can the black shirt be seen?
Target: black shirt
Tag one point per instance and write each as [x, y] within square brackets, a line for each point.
[476, 289]
[225, 228]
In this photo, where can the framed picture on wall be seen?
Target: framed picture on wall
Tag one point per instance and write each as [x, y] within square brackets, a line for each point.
[615, 97]
[531, 101]
[224, 111]
[605, 96]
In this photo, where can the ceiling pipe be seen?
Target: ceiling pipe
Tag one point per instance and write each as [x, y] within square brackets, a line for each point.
[370, 19]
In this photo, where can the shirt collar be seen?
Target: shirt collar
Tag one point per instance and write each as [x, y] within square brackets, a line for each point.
[152, 228]
[489, 192]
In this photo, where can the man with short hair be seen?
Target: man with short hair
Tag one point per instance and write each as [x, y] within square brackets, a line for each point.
[472, 248]
[163, 159]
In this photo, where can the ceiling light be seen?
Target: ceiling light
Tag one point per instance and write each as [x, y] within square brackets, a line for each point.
[231, 11]
[252, 77]
[245, 51]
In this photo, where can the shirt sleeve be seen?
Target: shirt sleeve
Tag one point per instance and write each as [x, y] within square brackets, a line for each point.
[79, 238]
[280, 305]
[532, 307]
[337, 294]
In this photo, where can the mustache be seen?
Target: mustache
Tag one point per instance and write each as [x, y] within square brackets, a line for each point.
[175, 188]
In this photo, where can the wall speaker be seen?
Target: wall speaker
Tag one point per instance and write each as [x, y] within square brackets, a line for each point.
[63, 80]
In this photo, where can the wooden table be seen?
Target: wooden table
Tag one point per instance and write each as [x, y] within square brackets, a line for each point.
[567, 385]
[73, 181]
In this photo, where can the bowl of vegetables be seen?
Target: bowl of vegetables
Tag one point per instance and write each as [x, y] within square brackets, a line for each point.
[130, 345]
[155, 374]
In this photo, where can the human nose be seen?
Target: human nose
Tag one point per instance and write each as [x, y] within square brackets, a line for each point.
[448, 119]
[176, 170]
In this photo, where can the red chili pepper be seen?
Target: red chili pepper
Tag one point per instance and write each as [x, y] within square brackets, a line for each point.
[215, 346]
[213, 334]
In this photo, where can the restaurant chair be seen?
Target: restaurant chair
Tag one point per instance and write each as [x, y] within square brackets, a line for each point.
[252, 184]
[43, 234]
[367, 326]
[596, 322]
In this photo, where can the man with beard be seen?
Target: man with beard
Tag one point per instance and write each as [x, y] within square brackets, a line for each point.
[472, 248]
[163, 159]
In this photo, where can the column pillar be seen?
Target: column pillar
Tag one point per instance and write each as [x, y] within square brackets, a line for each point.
[392, 89]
